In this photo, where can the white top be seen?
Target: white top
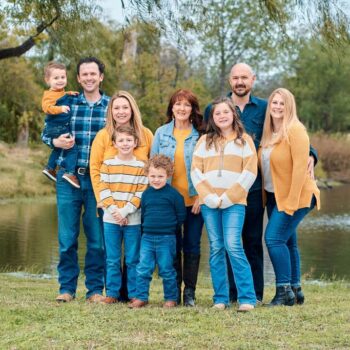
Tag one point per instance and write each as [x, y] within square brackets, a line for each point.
[265, 162]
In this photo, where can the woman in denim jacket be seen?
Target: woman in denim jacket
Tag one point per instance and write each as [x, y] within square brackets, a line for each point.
[177, 140]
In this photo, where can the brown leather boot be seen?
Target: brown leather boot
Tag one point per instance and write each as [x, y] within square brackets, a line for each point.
[137, 303]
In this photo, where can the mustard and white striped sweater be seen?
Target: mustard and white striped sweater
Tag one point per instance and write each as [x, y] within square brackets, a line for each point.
[121, 186]
[223, 178]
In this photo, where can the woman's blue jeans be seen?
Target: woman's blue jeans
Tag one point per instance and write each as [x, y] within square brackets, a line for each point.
[224, 228]
[281, 242]
[114, 235]
[189, 240]
[157, 250]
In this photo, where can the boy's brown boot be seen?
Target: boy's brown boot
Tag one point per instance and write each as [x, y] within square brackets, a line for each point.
[72, 179]
[50, 174]
[109, 300]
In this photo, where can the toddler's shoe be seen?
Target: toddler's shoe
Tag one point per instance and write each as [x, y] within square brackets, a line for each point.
[50, 173]
[137, 303]
[169, 304]
[72, 179]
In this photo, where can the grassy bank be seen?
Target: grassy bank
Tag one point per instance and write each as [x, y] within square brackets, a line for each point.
[21, 177]
[334, 156]
[20, 172]
[30, 319]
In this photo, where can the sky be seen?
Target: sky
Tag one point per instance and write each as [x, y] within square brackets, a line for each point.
[112, 9]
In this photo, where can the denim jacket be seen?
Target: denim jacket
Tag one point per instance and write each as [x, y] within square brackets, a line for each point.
[164, 142]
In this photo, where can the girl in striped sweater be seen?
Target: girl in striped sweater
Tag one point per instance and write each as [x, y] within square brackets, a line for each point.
[121, 186]
[224, 167]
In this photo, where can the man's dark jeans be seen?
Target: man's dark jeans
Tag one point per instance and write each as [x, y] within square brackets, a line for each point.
[252, 244]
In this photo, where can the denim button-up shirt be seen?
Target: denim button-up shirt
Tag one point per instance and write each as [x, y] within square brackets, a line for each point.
[164, 142]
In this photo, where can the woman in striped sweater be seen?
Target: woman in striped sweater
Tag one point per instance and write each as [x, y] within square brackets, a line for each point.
[224, 167]
[288, 191]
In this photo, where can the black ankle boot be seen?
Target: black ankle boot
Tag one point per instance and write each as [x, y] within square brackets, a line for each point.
[299, 295]
[190, 273]
[284, 296]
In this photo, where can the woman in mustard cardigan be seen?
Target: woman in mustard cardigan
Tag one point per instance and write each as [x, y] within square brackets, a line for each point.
[288, 190]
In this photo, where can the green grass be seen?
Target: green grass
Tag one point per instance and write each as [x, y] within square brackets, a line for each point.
[31, 319]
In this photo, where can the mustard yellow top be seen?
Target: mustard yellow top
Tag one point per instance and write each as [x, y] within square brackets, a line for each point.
[102, 148]
[179, 180]
[293, 187]
[50, 97]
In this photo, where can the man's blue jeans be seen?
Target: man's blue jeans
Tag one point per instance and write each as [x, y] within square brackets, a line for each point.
[70, 204]
[224, 228]
[114, 235]
[157, 250]
[281, 242]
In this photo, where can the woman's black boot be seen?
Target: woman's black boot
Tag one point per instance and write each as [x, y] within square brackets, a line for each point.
[299, 295]
[190, 274]
[284, 296]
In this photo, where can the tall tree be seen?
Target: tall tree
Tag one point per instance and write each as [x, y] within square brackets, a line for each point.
[33, 20]
[232, 31]
[320, 81]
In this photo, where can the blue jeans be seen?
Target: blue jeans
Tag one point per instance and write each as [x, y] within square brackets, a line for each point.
[281, 242]
[114, 234]
[70, 202]
[189, 240]
[54, 129]
[157, 250]
[252, 243]
[224, 228]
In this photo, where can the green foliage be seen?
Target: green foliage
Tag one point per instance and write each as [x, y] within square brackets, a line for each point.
[234, 31]
[321, 84]
[19, 101]
[155, 72]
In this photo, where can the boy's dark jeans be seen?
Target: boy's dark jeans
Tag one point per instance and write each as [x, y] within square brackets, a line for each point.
[70, 156]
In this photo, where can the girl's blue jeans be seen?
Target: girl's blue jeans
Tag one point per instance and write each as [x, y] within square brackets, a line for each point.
[224, 228]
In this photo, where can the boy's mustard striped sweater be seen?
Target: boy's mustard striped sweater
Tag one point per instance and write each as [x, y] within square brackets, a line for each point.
[121, 187]
[223, 178]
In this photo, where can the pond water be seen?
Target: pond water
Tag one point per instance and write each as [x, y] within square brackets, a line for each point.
[28, 238]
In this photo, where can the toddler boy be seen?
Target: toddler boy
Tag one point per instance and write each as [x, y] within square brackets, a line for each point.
[55, 103]
[162, 212]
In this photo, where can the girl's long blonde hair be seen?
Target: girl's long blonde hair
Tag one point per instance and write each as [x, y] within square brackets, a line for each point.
[289, 117]
[135, 121]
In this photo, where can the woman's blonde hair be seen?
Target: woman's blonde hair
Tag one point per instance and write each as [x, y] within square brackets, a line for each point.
[289, 117]
[135, 121]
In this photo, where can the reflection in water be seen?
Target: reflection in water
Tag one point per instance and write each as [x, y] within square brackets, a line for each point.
[28, 238]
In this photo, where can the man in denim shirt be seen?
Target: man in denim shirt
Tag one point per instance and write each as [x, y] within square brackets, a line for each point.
[88, 117]
[251, 110]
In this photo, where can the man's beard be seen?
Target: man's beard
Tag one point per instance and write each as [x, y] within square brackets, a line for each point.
[241, 94]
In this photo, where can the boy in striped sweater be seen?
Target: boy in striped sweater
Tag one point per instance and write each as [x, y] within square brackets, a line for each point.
[121, 186]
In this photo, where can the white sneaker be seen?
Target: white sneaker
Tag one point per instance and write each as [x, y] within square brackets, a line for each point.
[219, 306]
[245, 308]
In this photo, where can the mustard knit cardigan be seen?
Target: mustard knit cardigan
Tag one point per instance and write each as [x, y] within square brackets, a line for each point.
[292, 184]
